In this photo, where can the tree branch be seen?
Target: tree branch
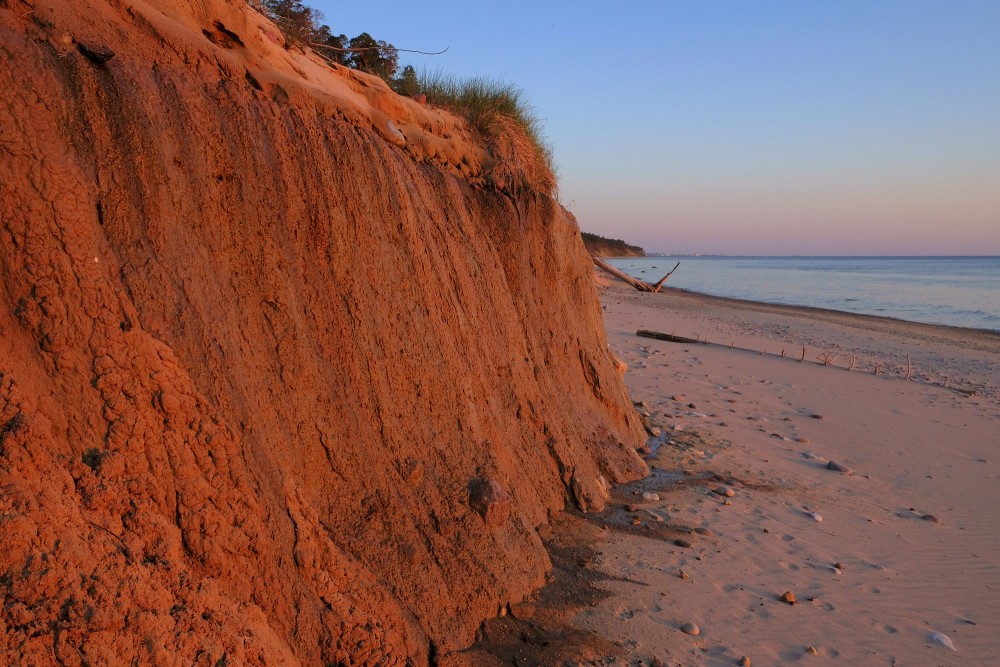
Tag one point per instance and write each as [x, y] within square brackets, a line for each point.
[376, 48]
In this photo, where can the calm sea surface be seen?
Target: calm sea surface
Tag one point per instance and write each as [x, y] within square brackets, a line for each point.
[958, 291]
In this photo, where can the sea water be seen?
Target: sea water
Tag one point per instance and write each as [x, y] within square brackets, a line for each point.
[956, 291]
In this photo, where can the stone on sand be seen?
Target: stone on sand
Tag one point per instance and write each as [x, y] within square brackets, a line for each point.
[838, 467]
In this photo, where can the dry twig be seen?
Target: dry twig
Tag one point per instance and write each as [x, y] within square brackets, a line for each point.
[827, 358]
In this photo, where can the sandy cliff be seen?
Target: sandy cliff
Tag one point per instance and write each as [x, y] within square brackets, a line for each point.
[283, 378]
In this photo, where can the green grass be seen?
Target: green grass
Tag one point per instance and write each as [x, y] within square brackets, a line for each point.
[482, 100]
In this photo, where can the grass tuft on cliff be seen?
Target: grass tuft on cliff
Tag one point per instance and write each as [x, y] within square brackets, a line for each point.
[500, 112]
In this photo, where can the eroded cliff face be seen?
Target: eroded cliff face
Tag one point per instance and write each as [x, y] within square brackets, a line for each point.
[282, 381]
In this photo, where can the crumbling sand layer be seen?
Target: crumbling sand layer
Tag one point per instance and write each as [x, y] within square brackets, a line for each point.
[282, 380]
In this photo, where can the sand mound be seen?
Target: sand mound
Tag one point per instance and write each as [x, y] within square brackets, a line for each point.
[263, 343]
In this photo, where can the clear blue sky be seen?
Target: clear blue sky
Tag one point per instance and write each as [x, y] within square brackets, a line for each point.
[744, 127]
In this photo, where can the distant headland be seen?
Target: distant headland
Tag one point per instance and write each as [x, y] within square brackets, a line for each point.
[603, 247]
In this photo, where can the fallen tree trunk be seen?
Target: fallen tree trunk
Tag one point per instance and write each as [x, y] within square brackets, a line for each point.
[640, 285]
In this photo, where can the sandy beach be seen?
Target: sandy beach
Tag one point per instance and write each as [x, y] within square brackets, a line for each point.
[889, 555]
[869, 498]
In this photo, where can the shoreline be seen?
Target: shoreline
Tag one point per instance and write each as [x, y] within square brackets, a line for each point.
[816, 311]
[955, 357]
[701, 279]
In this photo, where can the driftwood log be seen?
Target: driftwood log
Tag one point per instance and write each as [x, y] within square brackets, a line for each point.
[670, 338]
[640, 285]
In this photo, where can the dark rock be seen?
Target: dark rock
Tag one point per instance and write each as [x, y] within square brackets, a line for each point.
[97, 55]
[490, 500]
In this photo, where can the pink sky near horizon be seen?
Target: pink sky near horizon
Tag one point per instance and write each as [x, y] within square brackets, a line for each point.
[848, 218]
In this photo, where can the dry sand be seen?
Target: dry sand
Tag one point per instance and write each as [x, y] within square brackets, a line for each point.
[875, 578]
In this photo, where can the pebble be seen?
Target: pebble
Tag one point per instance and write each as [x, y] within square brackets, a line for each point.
[788, 597]
[650, 497]
[727, 502]
[632, 508]
[839, 565]
[655, 432]
[725, 491]
[838, 467]
[691, 629]
[817, 416]
[655, 662]
[814, 516]
[744, 661]
[931, 518]
[682, 574]
[681, 542]
[678, 398]
[644, 450]
[804, 441]
[812, 650]
[636, 521]
[704, 531]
